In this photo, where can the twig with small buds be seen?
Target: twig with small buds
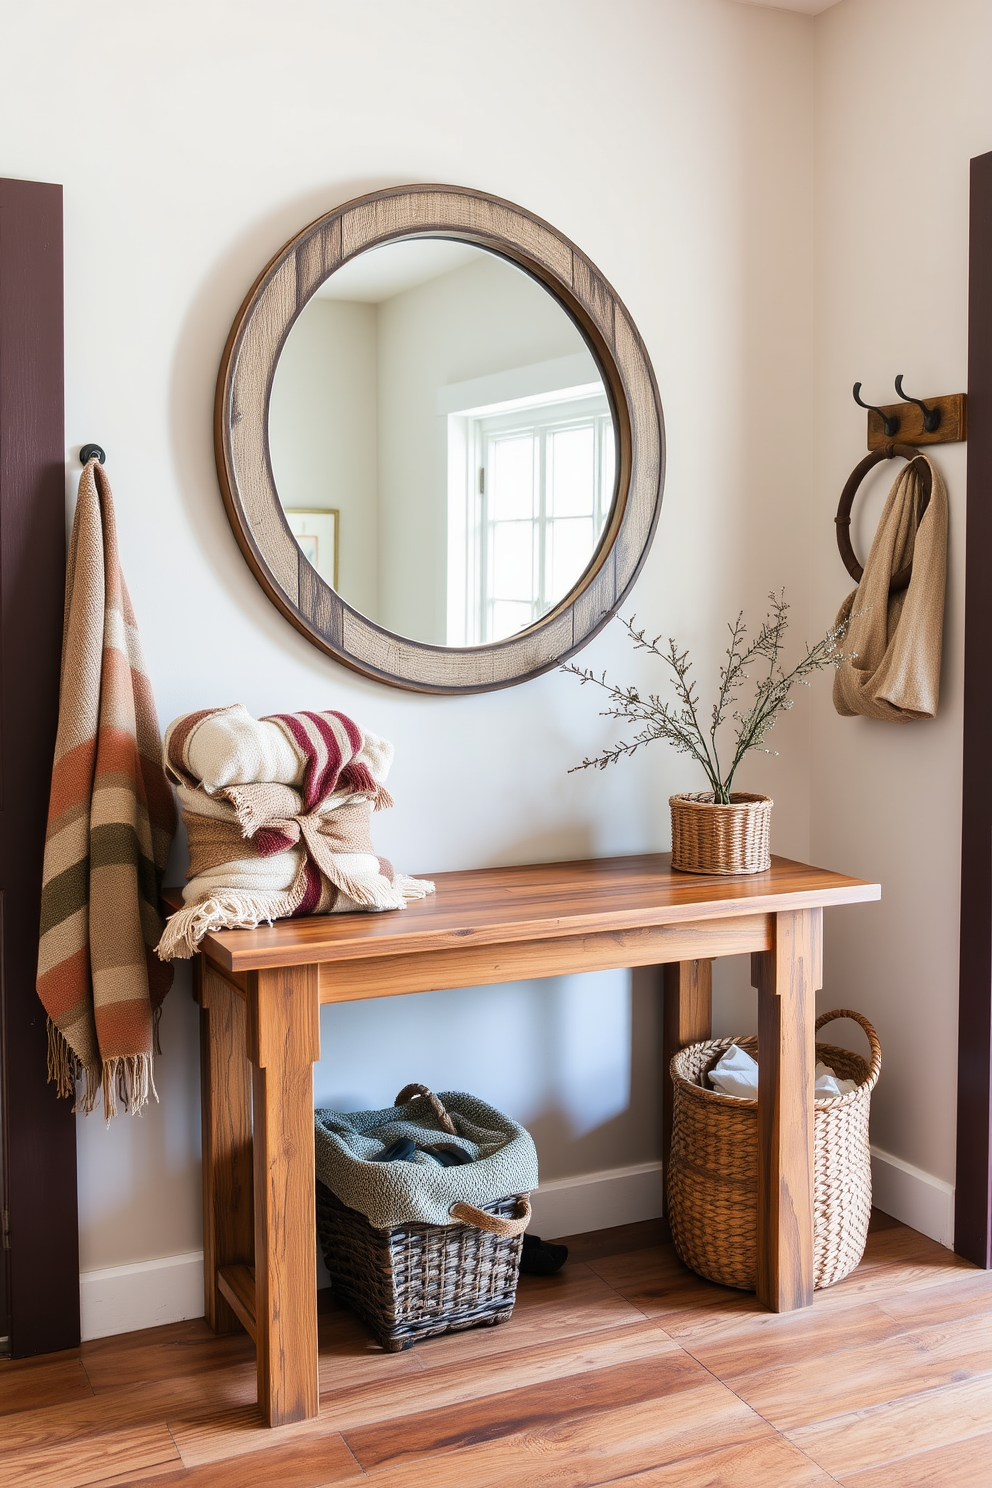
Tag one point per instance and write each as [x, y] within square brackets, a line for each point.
[679, 724]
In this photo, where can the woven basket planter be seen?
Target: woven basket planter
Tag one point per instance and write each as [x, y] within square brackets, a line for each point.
[712, 1180]
[417, 1280]
[711, 838]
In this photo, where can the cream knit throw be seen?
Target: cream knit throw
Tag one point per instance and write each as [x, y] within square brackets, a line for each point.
[894, 640]
[278, 813]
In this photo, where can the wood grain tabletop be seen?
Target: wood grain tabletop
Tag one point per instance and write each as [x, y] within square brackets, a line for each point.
[491, 906]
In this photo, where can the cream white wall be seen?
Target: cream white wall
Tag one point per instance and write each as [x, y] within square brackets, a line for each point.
[673, 141]
[323, 433]
[903, 102]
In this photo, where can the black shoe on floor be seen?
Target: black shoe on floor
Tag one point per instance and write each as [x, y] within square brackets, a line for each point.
[542, 1257]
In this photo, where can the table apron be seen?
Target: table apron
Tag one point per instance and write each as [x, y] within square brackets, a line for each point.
[476, 965]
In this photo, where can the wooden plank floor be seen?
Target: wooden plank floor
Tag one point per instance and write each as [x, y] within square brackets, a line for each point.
[624, 1369]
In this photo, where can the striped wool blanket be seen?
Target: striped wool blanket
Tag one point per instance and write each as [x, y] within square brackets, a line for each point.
[278, 813]
[111, 820]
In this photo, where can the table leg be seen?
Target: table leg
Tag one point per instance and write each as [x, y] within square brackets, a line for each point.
[284, 1042]
[688, 1019]
[787, 977]
[225, 1104]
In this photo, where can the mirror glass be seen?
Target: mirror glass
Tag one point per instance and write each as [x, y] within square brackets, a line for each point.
[442, 442]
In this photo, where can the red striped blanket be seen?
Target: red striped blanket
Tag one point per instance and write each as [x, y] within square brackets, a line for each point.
[277, 812]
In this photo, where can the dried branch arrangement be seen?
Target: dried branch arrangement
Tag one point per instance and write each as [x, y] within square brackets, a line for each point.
[679, 723]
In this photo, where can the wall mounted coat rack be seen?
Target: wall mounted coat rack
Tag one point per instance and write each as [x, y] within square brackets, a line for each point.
[916, 421]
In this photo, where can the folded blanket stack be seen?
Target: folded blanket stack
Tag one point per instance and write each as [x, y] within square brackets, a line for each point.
[278, 814]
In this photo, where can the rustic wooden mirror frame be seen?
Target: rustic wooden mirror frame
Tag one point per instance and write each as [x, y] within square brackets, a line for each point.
[241, 436]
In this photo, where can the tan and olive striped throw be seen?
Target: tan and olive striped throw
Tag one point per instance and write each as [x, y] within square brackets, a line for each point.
[111, 820]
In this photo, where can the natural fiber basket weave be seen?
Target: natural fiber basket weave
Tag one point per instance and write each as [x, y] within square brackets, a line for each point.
[711, 838]
[713, 1169]
[417, 1280]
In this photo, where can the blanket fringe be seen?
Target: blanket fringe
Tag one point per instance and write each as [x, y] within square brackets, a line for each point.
[64, 1067]
[228, 911]
[367, 893]
[87, 1098]
[358, 777]
[413, 888]
[128, 1081]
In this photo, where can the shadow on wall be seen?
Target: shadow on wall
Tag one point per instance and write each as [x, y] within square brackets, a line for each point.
[576, 1059]
[138, 1178]
[589, 1124]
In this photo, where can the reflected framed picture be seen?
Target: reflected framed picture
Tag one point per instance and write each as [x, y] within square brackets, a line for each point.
[316, 531]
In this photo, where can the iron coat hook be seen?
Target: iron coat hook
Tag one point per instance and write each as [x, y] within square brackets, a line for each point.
[931, 416]
[889, 423]
[92, 452]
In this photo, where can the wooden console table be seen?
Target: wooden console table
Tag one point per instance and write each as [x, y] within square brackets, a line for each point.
[260, 993]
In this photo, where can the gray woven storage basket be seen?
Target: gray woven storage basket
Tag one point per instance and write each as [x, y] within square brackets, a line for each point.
[413, 1280]
[417, 1280]
[712, 1180]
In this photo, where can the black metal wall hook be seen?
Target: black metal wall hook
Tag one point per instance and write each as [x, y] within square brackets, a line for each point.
[889, 424]
[92, 452]
[931, 416]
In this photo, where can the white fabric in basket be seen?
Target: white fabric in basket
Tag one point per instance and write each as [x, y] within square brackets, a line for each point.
[736, 1074]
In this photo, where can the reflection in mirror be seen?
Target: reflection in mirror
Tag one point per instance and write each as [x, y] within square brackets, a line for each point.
[442, 442]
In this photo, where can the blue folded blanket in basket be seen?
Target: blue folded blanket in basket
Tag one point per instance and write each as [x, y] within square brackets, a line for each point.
[351, 1159]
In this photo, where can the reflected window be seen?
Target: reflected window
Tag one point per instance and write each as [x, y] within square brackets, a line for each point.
[530, 485]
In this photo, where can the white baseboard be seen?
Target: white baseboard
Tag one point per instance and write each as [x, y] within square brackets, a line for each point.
[121, 1299]
[598, 1201]
[918, 1199]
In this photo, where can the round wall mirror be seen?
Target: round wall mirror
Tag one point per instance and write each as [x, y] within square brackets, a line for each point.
[439, 440]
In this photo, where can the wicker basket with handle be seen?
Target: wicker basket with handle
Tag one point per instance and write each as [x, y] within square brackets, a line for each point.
[708, 837]
[413, 1281]
[712, 1182]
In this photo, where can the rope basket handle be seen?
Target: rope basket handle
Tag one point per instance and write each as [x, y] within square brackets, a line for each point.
[873, 1044]
[468, 1214]
[410, 1092]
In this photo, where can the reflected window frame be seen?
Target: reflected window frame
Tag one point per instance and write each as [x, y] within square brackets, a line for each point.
[472, 435]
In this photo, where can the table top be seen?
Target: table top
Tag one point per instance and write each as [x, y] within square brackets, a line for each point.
[492, 906]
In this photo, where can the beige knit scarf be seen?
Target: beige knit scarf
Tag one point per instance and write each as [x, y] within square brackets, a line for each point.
[894, 640]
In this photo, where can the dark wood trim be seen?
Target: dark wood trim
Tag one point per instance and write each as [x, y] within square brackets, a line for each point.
[39, 1178]
[973, 1186]
[248, 487]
